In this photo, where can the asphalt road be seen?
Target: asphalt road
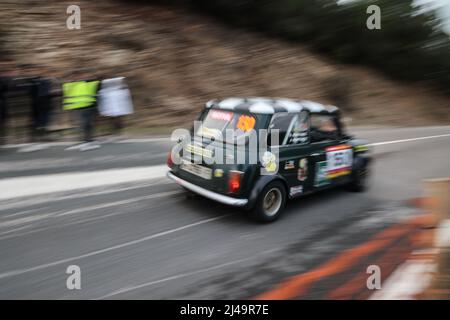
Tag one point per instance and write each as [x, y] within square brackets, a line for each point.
[143, 239]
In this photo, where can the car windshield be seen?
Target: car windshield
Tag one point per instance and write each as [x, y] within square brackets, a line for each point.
[227, 126]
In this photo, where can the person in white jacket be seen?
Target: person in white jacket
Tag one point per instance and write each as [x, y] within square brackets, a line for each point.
[114, 100]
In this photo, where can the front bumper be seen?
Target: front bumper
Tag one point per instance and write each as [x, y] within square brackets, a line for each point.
[207, 193]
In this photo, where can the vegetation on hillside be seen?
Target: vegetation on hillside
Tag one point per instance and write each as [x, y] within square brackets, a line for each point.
[410, 44]
[175, 59]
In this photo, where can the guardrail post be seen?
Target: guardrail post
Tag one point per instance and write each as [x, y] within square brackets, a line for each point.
[437, 192]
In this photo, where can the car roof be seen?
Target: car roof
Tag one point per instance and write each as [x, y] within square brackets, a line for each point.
[262, 105]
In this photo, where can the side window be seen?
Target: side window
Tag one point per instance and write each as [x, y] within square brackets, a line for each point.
[282, 122]
[323, 128]
[299, 133]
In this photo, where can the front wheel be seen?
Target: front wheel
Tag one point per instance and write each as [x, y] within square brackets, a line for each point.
[270, 202]
[360, 178]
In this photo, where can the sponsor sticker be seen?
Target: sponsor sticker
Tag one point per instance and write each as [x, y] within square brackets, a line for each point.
[208, 133]
[302, 173]
[299, 137]
[296, 190]
[339, 163]
[321, 174]
[199, 151]
[269, 161]
[246, 123]
[361, 148]
[221, 115]
[218, 173]
[289, 165]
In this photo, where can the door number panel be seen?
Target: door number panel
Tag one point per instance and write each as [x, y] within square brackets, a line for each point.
[339, 160]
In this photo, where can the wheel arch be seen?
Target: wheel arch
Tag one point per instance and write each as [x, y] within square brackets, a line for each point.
[361, 160]
[261, 183]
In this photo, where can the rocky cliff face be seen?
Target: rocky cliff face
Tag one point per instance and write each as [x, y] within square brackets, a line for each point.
[176, 60]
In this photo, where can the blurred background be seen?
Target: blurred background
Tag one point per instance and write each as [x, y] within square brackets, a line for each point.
[178, 54]
[135, 235]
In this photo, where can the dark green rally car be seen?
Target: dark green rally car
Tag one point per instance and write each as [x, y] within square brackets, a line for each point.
[255, 153]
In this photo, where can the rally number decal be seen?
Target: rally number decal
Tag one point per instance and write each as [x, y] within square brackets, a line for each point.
[339, 160]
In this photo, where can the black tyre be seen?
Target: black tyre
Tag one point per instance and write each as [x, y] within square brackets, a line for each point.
[270, 202]
[360, 177]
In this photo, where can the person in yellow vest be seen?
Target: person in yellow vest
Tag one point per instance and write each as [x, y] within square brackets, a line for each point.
[82, 97]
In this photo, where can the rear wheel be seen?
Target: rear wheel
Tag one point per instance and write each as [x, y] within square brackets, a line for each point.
[270, 202]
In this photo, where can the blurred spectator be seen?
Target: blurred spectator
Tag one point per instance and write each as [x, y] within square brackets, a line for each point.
[43, 103]
[31, 83]
[35, 108]
[81, 96]
[115, 101]
[6, 75]
[3, 108]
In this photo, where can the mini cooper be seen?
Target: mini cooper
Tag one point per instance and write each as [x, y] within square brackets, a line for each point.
[255, 153]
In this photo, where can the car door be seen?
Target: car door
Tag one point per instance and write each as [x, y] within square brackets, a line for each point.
[331, 156]
[319, 164]
[294, 151]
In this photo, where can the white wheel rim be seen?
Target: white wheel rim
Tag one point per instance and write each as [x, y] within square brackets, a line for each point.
[272, 202]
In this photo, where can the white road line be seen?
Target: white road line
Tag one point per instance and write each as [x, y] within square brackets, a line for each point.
[408, 140]
[387, 218]
[72, 143]
[175, 277]
[57, 197]
[143, 140]
[25, 220]
[68, 163]
[36, 185]
[48, 144]
[13, 230]
[119, 246]
[8, 234]
[119, 203]
[161, 139]
[34, 218]
[13, 215]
